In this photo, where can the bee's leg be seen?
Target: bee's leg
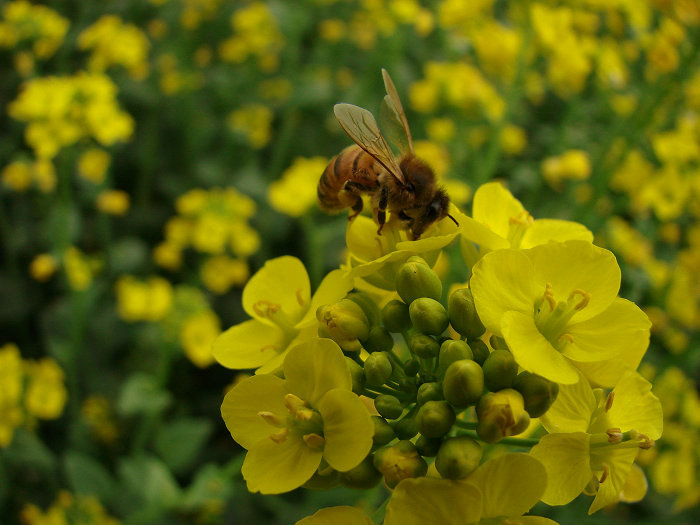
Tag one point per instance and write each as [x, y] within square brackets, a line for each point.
[381, 208]
[355, 190]
[409, 220]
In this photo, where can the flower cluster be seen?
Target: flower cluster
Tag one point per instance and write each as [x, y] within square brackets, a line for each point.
[69, 508]
[535, 350]
[29, 390]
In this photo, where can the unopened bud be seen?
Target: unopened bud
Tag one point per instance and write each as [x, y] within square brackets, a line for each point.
[411, 367]
[395, 316]
[345, 323]
[538, 393]
[423, 345]
[388, 406]
[428, 447]
[377, 368]
[416, 279]
[452, 350]
[458, 457]
[428, 316]
[378, 340]
[363, 476]
[399, 462]
[463, 383]
[501, 414]
[429, 392]
[463, 316]
[435, 419]
[500, 370]
[357, 374]
[383, 433]
[368, 305]
[480, 350]
[406, 427]
[498, 343]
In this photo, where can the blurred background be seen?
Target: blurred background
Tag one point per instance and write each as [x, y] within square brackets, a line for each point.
[155, 154]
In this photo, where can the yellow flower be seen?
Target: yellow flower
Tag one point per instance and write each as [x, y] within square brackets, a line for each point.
[46, 393]
[278, 298]
[342, 515]
[197, 335]
[594, 439]
[93, 164]
[80, 269]
[113, 202]
[556, 305]
[17, 176]
[219, 273]
[143, 301]
[289, 426]
[295, 192]
[571, 165]
[254, 123]
[43, 266]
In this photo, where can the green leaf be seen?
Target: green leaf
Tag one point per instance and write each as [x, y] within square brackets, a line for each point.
[88, 476]
[28, 450]
[179, 442]
[148, 484]
[141, 394]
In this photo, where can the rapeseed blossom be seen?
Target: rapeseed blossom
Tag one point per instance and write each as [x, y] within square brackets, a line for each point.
[64, 509]
[25, 23]
[295, 192]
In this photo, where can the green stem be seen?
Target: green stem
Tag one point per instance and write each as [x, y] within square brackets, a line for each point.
[378, 515]
[516, 442]
[471, 425]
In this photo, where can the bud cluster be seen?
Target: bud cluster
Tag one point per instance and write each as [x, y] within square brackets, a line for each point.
[439, 390]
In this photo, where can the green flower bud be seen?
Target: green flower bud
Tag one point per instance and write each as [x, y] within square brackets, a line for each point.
[383, 433]
[416, 279]
[345, 323]
[435, 419]
[498, 343]
[368, 305]
[458, 457]
[500, 370]
[411, 367]
[378, 340]
[363, 476]
[501, 414]
[480, 350]
[388, 406]
[538, 393]
[463, 383]
[423, 345]
[357, 374]
[399, 462]
[429, 392]
[463, 316]
[395, 316]
[428, 316]
[452, 350]
[428, 447]
[327, 479]
[406, 427]
[377, 368]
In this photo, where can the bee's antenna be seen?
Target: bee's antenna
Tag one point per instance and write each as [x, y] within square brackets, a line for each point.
[453, 219]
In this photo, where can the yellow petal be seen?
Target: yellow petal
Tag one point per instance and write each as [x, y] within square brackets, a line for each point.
[249, 344]
[347, 429]
[619, 463]
[607, 373]
[566, 459]
[306, 334]
[480, 234]
[273, 468]
[621, 326]
[314, 367]
[572, 410]
[332, 289]
[341, 515]
[282, 281]
[578, 265]
[635, 487]
[533, 352]
[635, 407]
[503, 281]
[494, 206]
[362, 240]
[544, 230]
[241, 405]
[419, 501]
[510, 484]
[535, 520]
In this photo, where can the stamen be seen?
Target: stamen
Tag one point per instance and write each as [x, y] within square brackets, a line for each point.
[264, 308]
[549, 296]
[314, 441]
[585, 299]
[300, 299]
[523, 218]
[606, 472]
[304, 414]
[614, 435]
[280, 436]
[609, 401]
[293, 403]
[268, 347]
[567, 337]
[271, 419]
[646, 442]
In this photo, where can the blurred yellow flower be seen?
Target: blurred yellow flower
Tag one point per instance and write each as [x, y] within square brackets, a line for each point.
[572, 165]
[45, 394]
[253, 122]
[143, 300]
[25, 23]
[221, 272]
[113, 202]
[294, 193]
[43, 267]
[80, 269]
[197, 335]
[93, 164]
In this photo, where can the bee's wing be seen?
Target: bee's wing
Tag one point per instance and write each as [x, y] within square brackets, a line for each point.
[394, 117]
[360, 125]
[392, 127]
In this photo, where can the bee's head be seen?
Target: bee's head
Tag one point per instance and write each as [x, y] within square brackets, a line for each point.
[437, 209]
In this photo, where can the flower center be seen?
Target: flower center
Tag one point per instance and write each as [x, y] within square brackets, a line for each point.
[301, 420]
[274, 312]
[552, 316]
[518, 226]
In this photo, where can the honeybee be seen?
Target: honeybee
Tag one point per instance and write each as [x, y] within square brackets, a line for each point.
[403, 185]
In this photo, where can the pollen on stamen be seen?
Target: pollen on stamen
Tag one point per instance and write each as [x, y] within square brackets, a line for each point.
[264, 308]
[609, 401]
[314, 441]
[614, 435]
[270, 418]
[646, 442]
[567, 337]
[300, 298]
[606, 472]
[585, 298]
[280, 436]
[549, 296]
